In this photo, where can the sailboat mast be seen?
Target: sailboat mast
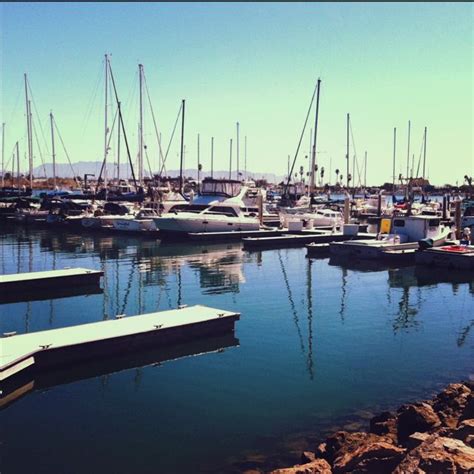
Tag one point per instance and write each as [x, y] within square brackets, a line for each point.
[53, 149]
[365, 171]
[182, 148]
[313, 157]
[140, 143]
[347, 155]
[238, 151]
[118, 151]
[424, 154]
[245, 153]
[212, 157]
[3, 154]
[394, 151]
[106, 129]
[230, 160]
[18, 165]
[29, 131]
[198, 163]
[408, 151]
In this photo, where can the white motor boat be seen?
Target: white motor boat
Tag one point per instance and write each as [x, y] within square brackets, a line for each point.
[224, 216]
[405, 233]
[141, 222]
[318, 218]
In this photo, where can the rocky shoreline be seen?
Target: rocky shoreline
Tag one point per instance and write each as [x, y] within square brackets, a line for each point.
[431, 436]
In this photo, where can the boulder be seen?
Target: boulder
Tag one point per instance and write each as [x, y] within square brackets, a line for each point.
[468, 410]
[416, 417]
[343, 442]
[384, 424]
[438, 454]
[451, 402]
[318, 466]
[370, 457]
[307, 456]
[416, 439]
[464, 430]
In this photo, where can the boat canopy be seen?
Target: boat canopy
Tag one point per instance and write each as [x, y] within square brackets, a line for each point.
[220, 187]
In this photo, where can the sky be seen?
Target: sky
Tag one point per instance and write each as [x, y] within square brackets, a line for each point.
[252, 63]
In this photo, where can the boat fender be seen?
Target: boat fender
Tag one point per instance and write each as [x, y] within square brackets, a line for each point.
[424, 244]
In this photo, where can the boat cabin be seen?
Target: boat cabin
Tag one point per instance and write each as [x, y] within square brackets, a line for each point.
[415, 228]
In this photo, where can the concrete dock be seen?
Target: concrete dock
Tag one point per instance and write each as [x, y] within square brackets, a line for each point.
[300, 240]
[64, 346]
[34, 281]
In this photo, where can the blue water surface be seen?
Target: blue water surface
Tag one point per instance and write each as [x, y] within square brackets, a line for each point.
[316, 342]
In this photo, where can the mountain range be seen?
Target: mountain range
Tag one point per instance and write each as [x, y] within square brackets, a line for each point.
[64, 170]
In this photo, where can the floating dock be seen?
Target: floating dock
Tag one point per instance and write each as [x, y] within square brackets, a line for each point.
[300, 240]
[58, 347]
[15, 388]
[232, 236]
[317, 250]
[51, 293]
[452, 256]
[34, 281]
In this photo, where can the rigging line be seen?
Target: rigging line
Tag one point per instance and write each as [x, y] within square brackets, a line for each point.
[119, 108]
[90, 105]
[154, 121]
[355, 155]
[15, 108]
[419, 158]
[65, 151]
[299, 143]
[292, 303]
[131, 101]
[171, 139]
[108, 145]
[39, 149]
[148, 161]
[38, 117]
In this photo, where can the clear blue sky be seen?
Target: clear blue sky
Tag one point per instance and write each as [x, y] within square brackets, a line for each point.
[253, 63]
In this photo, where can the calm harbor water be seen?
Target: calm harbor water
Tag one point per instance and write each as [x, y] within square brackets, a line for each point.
[316, 343]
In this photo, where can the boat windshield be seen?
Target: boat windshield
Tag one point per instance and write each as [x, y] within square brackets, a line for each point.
[220, 188]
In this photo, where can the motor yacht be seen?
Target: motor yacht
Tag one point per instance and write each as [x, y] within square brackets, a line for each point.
[404, 233]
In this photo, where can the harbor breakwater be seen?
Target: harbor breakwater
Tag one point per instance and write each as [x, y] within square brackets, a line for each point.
[429, 436]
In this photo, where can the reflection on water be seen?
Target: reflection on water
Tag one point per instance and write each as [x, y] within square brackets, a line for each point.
[12, 390]
[407, 282]
[317, 340]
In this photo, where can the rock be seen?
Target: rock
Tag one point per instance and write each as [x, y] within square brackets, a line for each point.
[318, 466]
[438, 454]
[344, 443]
[416, 417]
[364, 414]
[338, 441]
[384, 424]
[464, 429]
[450, 403]
[321, 451]
[468, 410]
[354, 426]
[307, 456]
[377, 457]
[416, 439]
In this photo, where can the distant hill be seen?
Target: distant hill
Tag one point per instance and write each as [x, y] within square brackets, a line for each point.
[63, 170]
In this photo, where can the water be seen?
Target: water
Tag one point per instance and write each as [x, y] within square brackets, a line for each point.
[316, 343]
